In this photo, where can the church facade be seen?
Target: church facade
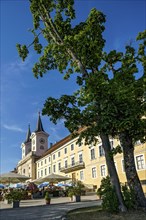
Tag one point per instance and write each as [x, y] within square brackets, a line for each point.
[77, 161]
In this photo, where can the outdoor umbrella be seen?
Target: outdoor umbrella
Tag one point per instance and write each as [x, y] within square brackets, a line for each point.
[45, 184]
[12, 178]
[52, 178]
[2, 186]
[63, 184]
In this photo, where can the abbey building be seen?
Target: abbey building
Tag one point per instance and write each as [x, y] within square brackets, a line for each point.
[77, 161]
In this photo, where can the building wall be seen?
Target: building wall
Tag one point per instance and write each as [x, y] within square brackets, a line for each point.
[25, 167]
[95, 167]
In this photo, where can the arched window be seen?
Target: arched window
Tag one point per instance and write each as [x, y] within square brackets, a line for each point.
[42, 147]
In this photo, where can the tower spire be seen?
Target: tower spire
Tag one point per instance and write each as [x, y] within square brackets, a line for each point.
[28, 135]
[39, 124]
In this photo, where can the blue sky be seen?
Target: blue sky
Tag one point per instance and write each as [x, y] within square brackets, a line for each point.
[22, 95]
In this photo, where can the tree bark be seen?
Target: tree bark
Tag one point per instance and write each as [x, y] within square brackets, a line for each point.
[130, 169]
[112, 170]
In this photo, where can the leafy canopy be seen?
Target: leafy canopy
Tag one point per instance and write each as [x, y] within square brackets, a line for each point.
[102, 103]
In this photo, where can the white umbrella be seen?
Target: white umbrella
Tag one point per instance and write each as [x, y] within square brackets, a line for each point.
[12, 177]
[52, 178]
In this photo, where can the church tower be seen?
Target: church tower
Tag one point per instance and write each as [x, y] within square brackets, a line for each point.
[39, 139]
[26, 146]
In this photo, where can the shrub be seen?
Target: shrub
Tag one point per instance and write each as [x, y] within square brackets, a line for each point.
[14, 195]
[129, 197]
[108, 195]
[76, 189]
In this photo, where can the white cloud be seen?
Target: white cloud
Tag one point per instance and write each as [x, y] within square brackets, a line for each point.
[13, 128]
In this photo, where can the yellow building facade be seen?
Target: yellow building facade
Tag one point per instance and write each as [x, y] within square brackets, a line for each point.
[87, 163]
[77, 161]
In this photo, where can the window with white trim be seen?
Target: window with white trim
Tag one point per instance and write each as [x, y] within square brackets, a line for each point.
[72, 161]
[140, 162]
[59, 165]
[53, 156]
[65, 163]
[92, 152]
[80, 158]
[101, 151]
[94, 172]
[59, 154]
[72, 147]
[103, 170]
[54, 168]
[65, 150]
[81, 175]
[45, 171]
[49, 170]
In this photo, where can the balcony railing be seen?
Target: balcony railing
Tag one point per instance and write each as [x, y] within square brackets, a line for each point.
[72, 167]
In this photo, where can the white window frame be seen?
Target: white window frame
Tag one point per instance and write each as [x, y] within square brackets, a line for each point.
[59, 165]
[66, 163]
[72, 147]
[92, 148]
[137, 163]
[53, 156]
[54, 168]
[81, 157]
[94, 174]
[99, 151]
[65, 150]
[101, 171]
[81, 175]
[72, 158]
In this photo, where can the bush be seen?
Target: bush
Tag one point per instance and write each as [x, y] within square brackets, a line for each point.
[129, 197]
[108, 195]
[77, 189]
[14, 195]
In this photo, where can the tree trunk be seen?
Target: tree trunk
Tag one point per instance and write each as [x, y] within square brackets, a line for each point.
[112, 170]
[130, 169]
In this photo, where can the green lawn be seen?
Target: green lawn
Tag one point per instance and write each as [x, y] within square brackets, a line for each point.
[93, 213]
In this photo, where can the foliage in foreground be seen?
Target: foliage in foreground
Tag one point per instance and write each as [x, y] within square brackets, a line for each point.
[110, 201]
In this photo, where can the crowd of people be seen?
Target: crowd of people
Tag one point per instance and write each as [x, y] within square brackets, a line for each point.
[32, 191]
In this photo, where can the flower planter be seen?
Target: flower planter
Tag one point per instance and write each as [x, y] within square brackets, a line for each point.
[16, 204]
[76, 198]
[48, 201]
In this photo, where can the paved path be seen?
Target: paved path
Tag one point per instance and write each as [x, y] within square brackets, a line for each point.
[36, 209]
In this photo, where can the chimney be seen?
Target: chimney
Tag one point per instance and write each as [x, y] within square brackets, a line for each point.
[51, 144]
